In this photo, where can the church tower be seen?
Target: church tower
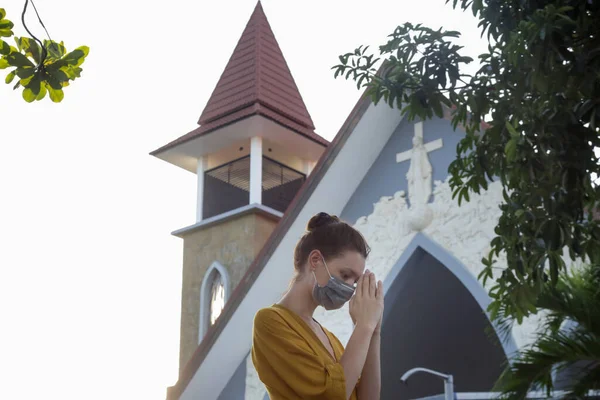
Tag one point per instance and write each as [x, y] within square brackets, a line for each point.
[253, 149]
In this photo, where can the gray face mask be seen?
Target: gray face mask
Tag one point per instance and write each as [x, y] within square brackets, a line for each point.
[334, 294]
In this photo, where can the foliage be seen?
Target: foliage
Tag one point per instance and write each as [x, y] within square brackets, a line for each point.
[41, 68]
[531, 114]
[575, 301]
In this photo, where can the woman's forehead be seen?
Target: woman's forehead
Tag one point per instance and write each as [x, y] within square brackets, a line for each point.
[354, 264]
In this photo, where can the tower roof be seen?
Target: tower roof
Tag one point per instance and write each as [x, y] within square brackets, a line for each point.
[256, 81]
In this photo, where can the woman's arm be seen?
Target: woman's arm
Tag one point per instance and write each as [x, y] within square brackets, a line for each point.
[370, 381]
[355, 356]
[366, 308]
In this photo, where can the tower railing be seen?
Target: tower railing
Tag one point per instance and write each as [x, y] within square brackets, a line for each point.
[227, 186]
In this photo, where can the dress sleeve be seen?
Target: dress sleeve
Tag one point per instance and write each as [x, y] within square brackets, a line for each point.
[285, 362]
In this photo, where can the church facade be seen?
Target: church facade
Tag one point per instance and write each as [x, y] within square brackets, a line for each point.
[263, 172]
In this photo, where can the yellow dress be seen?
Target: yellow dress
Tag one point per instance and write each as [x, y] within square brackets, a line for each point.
[291, 360]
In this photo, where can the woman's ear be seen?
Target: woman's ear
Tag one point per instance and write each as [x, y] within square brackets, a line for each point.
[314, 258]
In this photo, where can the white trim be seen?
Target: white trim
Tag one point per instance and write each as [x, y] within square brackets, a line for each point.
[344, 174]
[201, 167]
[256, 152]
[184, 155]
[238, 212]
[215, 267]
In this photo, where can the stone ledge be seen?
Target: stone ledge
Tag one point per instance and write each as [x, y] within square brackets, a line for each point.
[238, 212]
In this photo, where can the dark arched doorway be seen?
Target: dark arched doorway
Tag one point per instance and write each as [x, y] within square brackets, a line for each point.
[431, 320]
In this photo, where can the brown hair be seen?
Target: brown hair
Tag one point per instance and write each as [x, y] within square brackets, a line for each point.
[331, 236]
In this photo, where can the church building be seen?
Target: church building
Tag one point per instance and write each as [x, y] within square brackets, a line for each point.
[262, 172]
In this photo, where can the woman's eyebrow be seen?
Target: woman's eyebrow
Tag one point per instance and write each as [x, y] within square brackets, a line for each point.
[351, 272]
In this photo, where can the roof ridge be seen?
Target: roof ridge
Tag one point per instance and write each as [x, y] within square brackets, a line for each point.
[258, 46]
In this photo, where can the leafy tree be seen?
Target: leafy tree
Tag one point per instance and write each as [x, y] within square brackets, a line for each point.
[574, 352]
[531, 115]
[42, 68]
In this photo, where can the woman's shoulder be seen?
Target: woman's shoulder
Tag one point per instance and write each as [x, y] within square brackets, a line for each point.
[265, 313]
[269, 316]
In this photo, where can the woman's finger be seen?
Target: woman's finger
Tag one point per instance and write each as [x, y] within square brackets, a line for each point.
[359, 285]
[372, 285]
[379, 294]
[365, 283]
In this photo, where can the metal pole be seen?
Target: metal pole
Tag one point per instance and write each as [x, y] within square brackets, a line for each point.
[448, 380]
[449, 388]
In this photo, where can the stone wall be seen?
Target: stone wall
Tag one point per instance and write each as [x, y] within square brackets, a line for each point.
[234, 243]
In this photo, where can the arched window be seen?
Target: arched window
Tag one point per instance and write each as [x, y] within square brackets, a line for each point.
[214, 293]
[217, 297]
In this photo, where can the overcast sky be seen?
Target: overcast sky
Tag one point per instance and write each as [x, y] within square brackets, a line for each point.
[90, 276]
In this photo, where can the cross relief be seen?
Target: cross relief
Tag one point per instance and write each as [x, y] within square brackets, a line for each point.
[419, 176]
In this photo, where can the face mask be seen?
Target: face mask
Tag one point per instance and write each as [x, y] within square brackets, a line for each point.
[334, 294]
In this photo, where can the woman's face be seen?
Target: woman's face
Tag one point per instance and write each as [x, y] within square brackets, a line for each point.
[348, 267]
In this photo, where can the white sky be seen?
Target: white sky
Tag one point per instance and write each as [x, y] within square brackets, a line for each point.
[90, 276]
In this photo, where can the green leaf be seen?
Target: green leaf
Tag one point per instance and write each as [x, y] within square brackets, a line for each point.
[77, 56]
[43, 92]
[75, 72]
[35, 84]
[552, 235]
[2, 13]
[56, 79]
[5, 24]
[25, 81]
[28, 95]
[511, 150]
[511, 129]
[21, 42]
[4, 63]
[25, 72]
[437, 108]
[56, 95]
[554, 268]
[17, 59]
[6, 32]
[10, 77]
[4, 47]
[55, 50]
[31, 48]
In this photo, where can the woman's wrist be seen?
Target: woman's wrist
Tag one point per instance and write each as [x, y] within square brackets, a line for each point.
[365, 326]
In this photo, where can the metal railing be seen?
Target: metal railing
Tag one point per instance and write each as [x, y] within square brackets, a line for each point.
[227, 186]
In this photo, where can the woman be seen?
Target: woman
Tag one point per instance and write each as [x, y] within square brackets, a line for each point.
[295, 357]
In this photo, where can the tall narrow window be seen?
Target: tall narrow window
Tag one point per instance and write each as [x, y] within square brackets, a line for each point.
[217, 297]
[214, 293]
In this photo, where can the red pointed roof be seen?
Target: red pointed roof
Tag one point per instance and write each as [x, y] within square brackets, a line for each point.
[257, 72]
[256, 81]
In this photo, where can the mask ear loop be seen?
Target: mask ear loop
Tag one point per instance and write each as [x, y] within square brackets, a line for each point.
[316, 281]
[326, 268]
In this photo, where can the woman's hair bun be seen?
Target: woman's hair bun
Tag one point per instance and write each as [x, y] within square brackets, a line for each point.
[321, 219]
